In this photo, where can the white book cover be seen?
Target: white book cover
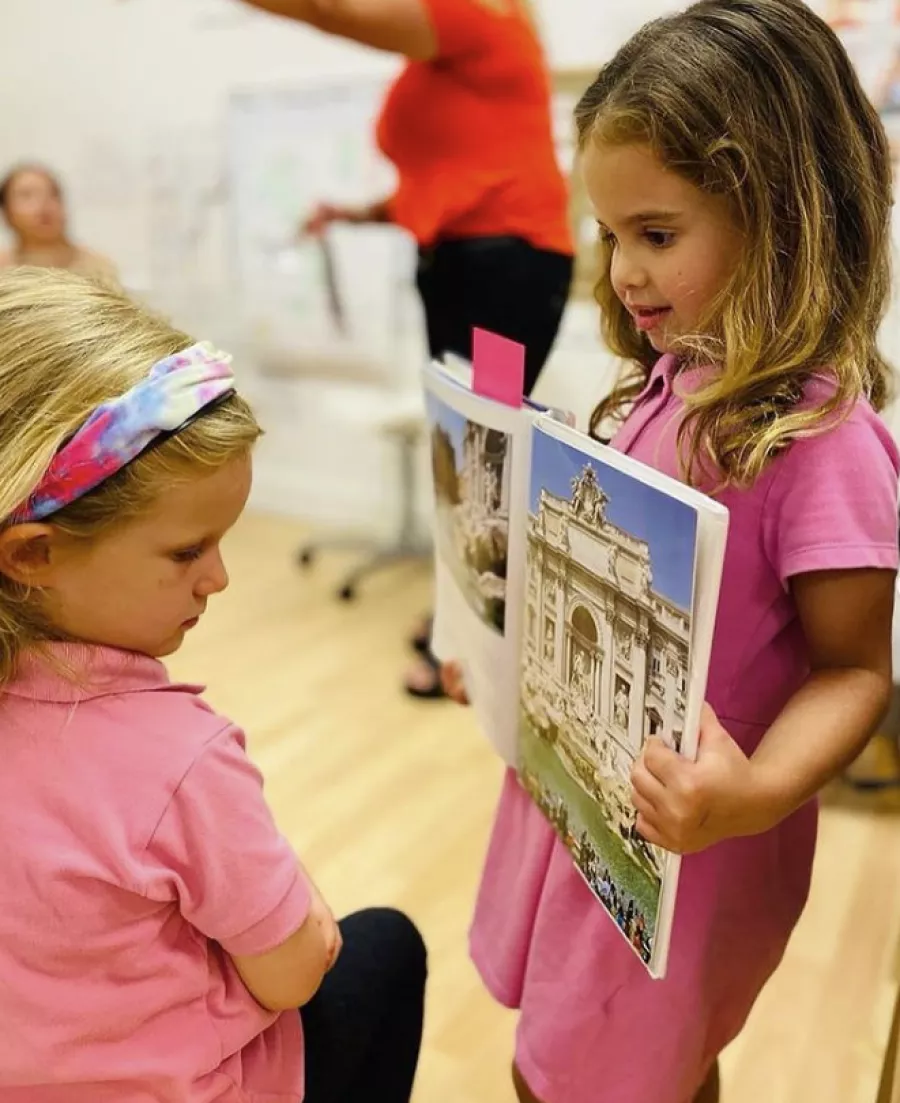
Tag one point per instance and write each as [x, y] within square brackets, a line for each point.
[578, 588]
[480, 454]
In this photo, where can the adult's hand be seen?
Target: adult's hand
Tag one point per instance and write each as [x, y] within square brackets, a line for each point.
[324, 214]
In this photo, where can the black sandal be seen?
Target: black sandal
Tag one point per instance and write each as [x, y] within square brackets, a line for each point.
[421, 640]
[435, 691]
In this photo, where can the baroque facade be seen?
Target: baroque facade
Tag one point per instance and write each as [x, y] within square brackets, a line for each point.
[476, 527]
[482, 469]
[605, 654]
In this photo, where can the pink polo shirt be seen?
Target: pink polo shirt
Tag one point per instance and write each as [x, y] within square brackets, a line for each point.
[593, 1025]
[136, 853]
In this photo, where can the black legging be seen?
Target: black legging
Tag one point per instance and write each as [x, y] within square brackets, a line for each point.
[363, 1028]
[503, 284]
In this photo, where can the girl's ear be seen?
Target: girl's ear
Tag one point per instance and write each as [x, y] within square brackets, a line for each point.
[28, 554]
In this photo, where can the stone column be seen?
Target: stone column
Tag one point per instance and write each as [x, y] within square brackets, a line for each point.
[607, 667]
[481, 468]
[638, 701]
[670, 681]
[545, 600]
[559, 611]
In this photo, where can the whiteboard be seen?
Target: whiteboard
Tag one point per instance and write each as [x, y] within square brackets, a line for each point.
[287, 149]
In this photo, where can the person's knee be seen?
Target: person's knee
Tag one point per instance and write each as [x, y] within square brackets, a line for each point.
[399, 941]
[410, 946]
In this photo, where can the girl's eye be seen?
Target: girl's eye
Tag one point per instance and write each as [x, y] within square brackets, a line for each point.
[659, 239]
[607, 237]
[187, 555]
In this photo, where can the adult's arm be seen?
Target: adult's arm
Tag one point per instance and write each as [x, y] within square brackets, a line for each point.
[397, 26]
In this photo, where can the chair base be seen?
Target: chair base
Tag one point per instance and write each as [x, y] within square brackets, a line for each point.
[379, 557]
[408, 544]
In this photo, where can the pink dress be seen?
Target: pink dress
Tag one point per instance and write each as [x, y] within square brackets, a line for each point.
[594, 1027]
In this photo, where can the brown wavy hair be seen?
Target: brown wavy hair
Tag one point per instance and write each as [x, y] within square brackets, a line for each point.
[757, 100]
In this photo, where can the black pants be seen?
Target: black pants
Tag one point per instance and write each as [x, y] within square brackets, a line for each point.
[363, 1028]
[503, 284]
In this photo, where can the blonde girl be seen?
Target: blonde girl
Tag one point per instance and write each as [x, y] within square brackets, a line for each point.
[158, 934]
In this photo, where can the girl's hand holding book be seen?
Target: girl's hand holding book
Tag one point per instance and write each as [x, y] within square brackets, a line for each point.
[686, 806]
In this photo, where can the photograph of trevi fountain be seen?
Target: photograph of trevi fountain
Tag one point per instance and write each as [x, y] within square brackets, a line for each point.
[471, 483]
[605, 655]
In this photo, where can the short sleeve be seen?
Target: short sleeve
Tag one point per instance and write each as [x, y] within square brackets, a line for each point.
[832, 503]
[218, 851]
[462, 26]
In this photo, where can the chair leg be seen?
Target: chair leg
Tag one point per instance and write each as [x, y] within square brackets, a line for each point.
[408, 543]
[307, 553]
[387, 557]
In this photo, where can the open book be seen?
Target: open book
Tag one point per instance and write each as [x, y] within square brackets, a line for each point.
[578, 589]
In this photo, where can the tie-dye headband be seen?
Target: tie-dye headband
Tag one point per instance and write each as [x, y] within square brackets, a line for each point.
[176, 390]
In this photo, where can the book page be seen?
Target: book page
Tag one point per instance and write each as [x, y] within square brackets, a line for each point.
[480, 453]
[606, 657]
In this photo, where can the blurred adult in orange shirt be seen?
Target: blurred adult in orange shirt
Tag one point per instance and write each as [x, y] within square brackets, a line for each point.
[468, 127]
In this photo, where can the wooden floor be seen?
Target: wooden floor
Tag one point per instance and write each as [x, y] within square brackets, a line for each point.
[389, 801]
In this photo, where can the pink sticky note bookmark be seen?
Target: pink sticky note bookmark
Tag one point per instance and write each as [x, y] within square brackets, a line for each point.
[498, 367]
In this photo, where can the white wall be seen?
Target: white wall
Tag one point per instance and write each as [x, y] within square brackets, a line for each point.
[150, 77]
[137, 107]
[147, 78]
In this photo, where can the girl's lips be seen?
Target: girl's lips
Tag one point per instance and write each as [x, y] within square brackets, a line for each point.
[648, 318]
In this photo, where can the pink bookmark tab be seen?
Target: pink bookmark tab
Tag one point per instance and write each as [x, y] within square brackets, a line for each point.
[498, 367]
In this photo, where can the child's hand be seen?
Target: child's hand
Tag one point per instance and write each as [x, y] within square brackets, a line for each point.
[687, 806]
[337, 944]
[452, 683]
[323, 917]
[288, 976]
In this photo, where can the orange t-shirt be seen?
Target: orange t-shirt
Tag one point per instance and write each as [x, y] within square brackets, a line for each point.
[471, 136]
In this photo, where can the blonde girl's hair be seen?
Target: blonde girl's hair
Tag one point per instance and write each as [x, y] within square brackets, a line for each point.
[67, 344]
[757, 101]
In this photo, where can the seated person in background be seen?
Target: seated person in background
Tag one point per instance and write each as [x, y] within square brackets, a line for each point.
[31, 202]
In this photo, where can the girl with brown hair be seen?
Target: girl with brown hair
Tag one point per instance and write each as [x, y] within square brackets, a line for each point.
[741, 181]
